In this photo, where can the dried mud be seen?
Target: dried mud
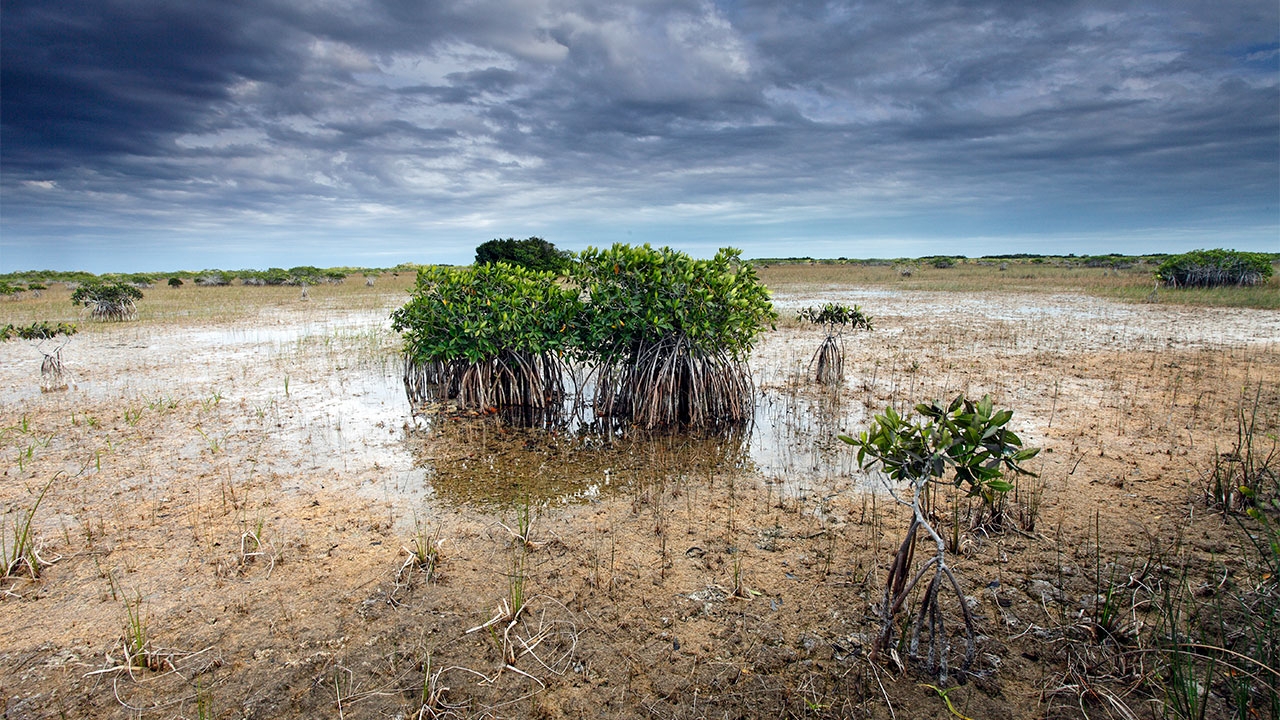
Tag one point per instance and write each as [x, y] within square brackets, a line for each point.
[254, 491]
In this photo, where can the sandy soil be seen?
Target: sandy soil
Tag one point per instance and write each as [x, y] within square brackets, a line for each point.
[252, 492]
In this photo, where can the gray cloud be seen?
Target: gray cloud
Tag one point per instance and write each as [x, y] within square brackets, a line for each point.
[388, 118]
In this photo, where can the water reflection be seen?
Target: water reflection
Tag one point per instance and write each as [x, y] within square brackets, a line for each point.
[486, 461]
[511, 456]
[795, 437]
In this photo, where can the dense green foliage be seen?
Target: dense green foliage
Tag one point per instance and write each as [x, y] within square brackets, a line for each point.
[665, 335]
[1214, 268]
[43, 330]
[668, 334]
[640, 295]
[532, 253]
[46, 276]
[108, 300]
[969, 439]
[474, 313]
[311, 275]
[491, 335]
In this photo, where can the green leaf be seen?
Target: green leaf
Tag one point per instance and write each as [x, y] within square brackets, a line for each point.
[984, 407]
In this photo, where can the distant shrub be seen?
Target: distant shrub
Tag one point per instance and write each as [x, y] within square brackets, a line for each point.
[214, 278]
[275, 276]
[175, 282]
[303, 275]
[532, 253]
[108, 301]
[1214, 268]
[270, 276]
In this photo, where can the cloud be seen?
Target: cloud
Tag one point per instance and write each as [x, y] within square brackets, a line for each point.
[393, 117]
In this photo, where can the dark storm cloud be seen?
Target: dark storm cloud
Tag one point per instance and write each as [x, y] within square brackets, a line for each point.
[395, 114]
[87, 81]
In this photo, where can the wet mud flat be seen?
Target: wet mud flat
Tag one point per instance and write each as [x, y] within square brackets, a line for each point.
[258, 497]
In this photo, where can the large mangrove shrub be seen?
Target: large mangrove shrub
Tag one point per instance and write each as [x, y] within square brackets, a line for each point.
[532, 253]
[1214, 268]
[828, 361]
[668, 335]
[967, 444]
[108, 300]
[491, 336]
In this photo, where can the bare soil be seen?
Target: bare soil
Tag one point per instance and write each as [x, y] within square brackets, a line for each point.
[252, 489]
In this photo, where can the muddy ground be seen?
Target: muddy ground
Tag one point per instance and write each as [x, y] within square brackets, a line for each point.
[238, 501]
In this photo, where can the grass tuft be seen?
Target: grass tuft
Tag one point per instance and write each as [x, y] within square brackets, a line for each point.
[21, 554]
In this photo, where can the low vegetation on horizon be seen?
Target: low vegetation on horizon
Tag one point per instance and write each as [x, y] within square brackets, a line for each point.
[1200, 277]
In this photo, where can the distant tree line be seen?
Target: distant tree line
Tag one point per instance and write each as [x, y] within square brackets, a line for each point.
[534, 253]
[1212, 263]
[301, 275]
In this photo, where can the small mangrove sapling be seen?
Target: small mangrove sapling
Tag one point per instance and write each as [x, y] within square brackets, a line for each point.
[969, 441]
[828, 361]
[52, 371]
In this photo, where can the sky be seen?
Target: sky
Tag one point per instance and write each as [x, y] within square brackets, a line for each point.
[150, 135]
